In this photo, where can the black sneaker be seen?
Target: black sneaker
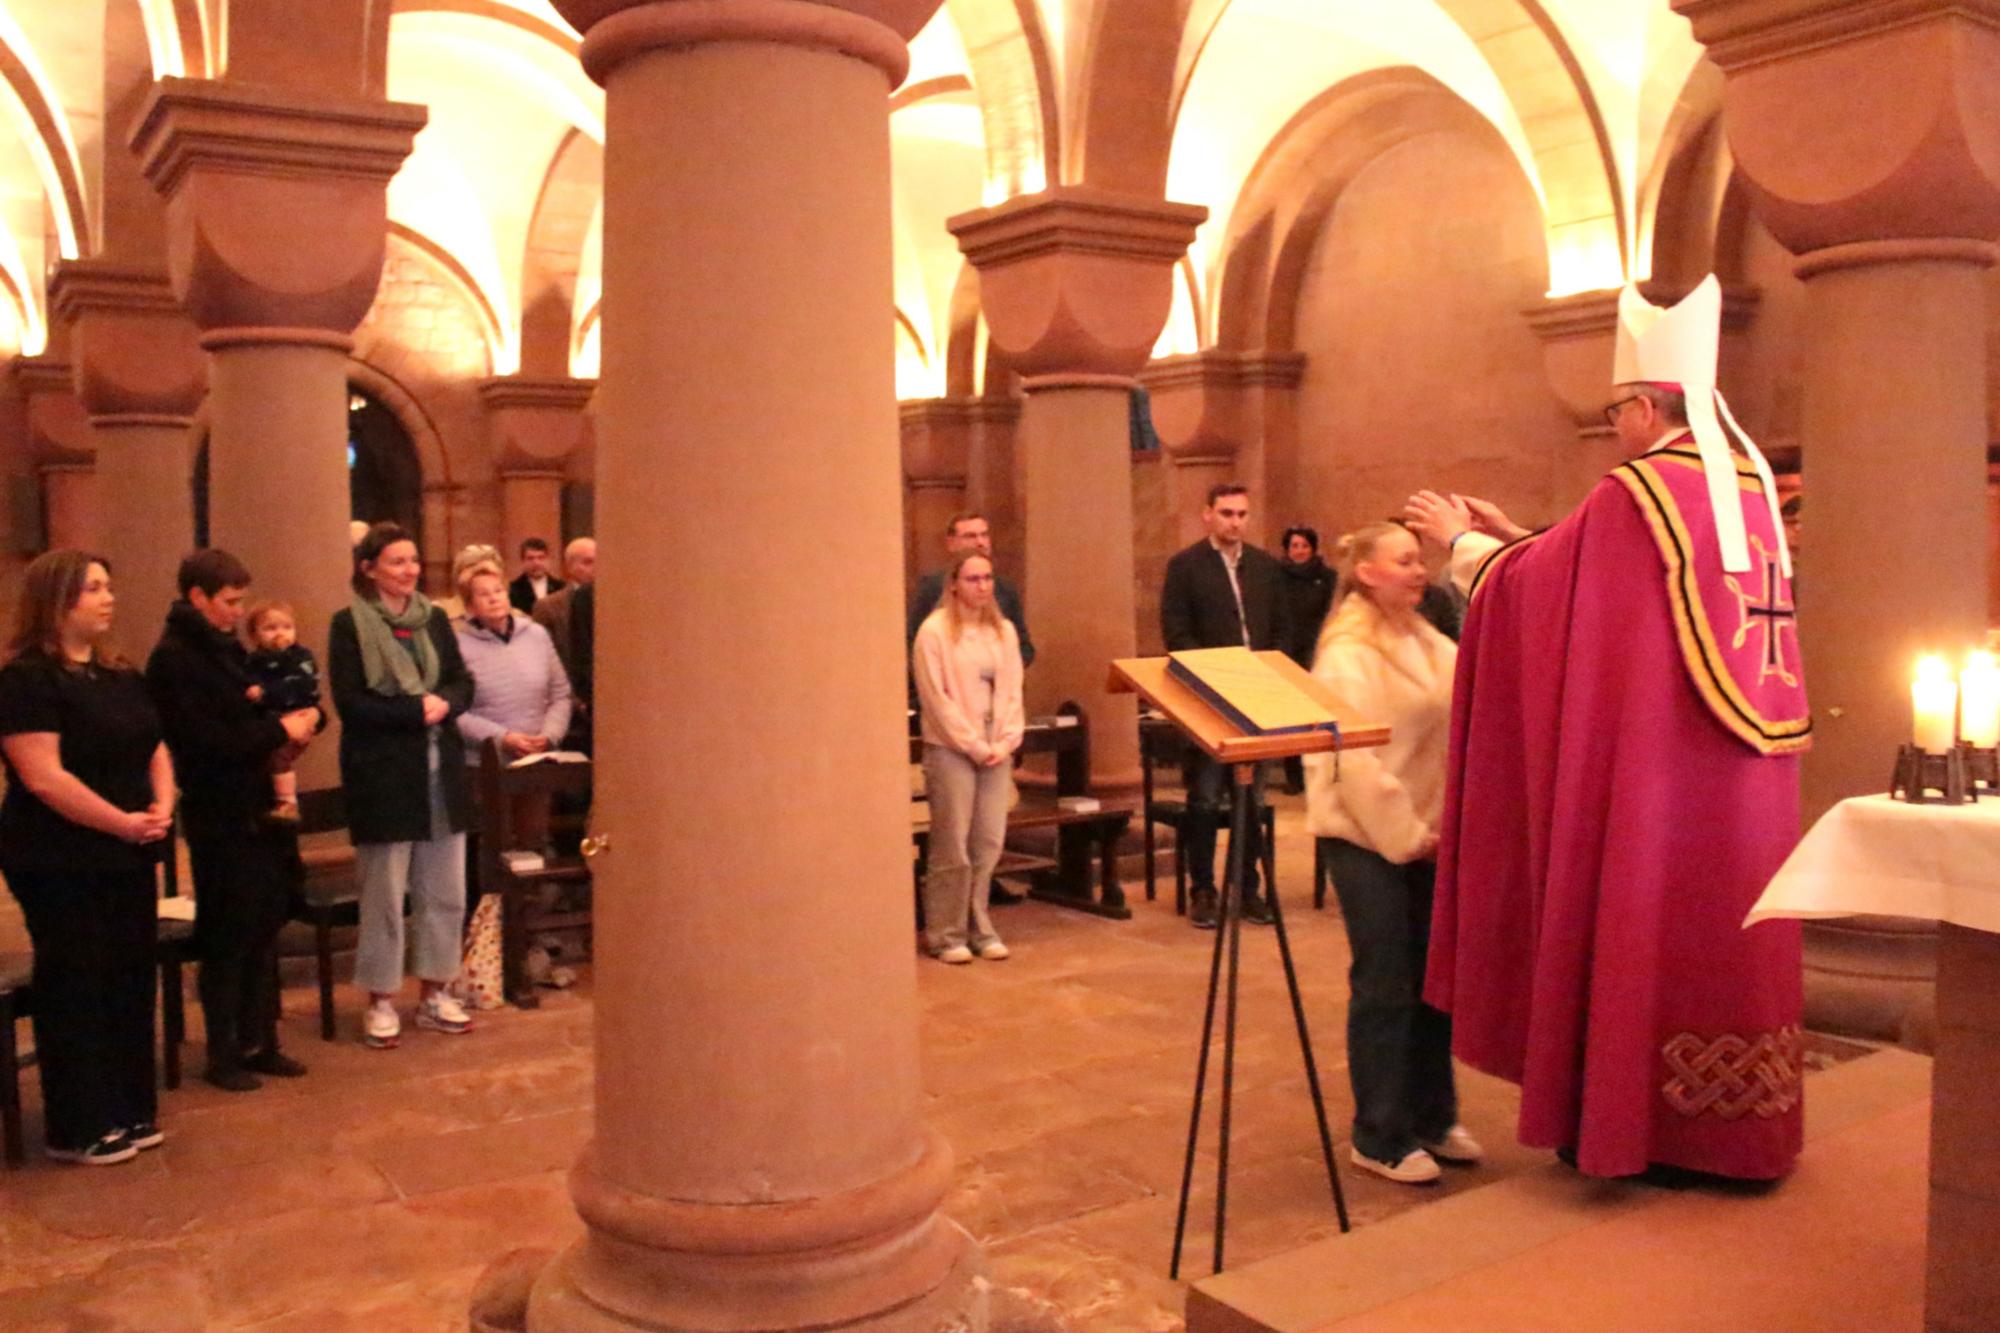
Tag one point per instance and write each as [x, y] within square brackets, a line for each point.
[145, 1135]
[232, 1078]
[1201, 909]
[1257, 911]
[275, 1063]
[110, 1150]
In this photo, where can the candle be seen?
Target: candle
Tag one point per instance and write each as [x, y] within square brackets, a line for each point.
[1979, 699]
[1935, 695]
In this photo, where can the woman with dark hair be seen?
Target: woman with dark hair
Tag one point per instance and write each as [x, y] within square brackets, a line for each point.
[1308, 586]
[90, 799]
[398, 682]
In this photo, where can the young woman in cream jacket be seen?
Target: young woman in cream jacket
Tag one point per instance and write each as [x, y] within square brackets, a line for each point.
[967, 664]
[1378, 823]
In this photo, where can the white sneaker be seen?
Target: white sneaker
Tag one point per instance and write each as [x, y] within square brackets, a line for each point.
[957, 953]
[440, 1013]
[1457, 1145]
[993, 951]
[381, 1028]
[1416, 1166]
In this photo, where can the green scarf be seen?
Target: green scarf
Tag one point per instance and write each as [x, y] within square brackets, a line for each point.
[387, 666]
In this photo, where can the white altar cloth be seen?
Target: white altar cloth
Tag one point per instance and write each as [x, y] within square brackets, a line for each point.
[1882, 857]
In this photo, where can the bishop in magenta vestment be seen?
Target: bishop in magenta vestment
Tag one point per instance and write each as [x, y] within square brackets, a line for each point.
[1623, 783]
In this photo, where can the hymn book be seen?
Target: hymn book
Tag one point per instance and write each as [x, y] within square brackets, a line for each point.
[550, 757]
[1249, 692]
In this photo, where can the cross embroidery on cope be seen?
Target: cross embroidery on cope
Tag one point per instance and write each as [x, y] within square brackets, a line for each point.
[1772, 614]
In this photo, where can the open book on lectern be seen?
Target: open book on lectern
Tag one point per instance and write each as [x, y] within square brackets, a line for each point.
[1249, 692]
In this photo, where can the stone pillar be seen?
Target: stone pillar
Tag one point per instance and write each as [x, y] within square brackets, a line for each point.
[1863, 133]
[62, 448]
[140, 376]
[1209, 410]
[759, 1162]
[992, 481]
[937, 445]
[277, 221]
[534, 426]
[1076, 284]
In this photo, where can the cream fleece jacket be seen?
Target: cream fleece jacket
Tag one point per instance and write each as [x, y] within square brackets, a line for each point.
[1396, 670]
[947, 682]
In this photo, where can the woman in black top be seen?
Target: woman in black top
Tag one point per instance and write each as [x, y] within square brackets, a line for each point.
[90, 798]
[1308, 597]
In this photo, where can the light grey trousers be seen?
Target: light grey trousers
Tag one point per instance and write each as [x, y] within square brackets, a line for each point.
[968, 825]
[390, 872]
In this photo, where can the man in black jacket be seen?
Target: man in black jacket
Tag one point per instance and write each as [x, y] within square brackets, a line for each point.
[534, 582]
[245, 868]
[1221, 592]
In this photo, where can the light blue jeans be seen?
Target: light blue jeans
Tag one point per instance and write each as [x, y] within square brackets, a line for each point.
[433, 871]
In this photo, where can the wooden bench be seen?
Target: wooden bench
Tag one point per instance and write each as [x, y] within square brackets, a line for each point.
[505, 793]
[1082, 836]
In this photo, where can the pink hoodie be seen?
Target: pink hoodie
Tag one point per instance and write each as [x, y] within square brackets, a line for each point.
[948, 682]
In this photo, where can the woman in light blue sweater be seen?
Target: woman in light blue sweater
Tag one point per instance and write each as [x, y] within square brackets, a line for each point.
[520, 694]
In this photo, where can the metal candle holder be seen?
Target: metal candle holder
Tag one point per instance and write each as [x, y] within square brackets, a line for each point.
[1935, 779]
[1982, 768]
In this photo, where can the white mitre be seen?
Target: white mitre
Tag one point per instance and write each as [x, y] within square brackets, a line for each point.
[1678, 346]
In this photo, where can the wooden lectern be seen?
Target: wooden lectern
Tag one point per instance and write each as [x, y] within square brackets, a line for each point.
[1226, 742]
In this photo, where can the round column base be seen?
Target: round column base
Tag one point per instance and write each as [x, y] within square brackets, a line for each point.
[1872, 977]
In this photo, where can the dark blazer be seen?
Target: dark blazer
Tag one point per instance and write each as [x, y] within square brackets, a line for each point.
[221, 742]
[522, 593]
[930, 590]
[384, 752]
[1198, 610]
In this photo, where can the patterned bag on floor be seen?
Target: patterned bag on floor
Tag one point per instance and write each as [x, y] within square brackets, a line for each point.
[478, 983]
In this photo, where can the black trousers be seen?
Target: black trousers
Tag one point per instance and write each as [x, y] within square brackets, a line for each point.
[1211, 792]
[242, 890]
[96, 936]
[1398, 1047]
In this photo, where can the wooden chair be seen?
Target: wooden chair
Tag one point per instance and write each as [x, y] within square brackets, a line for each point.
[1160, 742]
[174, 952]
[506, 795]
[331, 893]
[16, 971]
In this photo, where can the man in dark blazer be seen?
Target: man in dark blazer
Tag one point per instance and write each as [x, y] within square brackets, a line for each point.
[967, 534]
[534, 582]
[1221, 592]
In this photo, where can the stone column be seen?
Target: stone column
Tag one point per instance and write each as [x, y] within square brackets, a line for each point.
[534, 426]
[62, 447]
[1076, 284]
[1210, 410]
[759, 1162]
[992, 481]
[140, 376]
[277, 221]
[937, 445]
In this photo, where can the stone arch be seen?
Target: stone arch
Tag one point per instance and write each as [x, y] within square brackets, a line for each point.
[1014, 74]
[1681, 199]
[1294, 188]
[571, 193]
[52, 146]
[477, 299]
[1583, 200]
[961, 346]
[498, 13]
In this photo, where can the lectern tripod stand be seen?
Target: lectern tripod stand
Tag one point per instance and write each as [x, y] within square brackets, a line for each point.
[1229, 744]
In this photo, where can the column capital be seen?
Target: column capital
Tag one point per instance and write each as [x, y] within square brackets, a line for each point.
[536, 424]
[59, 432]
[277, 206]
[1077, 280]
[1202, 403]
[134, 348]
[1860, 120]
[874, 31]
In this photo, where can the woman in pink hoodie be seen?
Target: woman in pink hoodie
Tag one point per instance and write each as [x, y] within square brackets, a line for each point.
[967, 663]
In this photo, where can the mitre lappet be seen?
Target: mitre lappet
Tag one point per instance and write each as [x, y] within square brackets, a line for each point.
[1677, 348]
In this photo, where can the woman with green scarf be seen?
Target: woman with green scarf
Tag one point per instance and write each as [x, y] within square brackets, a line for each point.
[398, 682]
